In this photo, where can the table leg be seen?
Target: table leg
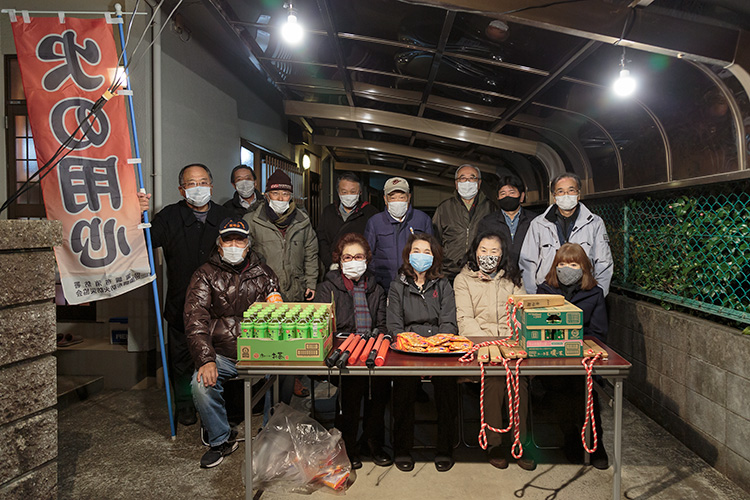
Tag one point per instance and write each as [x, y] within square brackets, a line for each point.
[248, 438]
[618, 440]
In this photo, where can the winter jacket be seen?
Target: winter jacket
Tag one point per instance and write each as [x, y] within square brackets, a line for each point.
[431, 311]
[293, 256]
[345, 322]
[387, 238]
[239, 211]
[332, 226]
[591, 302]
[456, 227]
[495, 222]
[542, 241]
[480, 303]
[217, 296]
[187, 243]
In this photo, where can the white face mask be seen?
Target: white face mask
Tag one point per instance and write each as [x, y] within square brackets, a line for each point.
[278, 206]
[354, 269]
[468, 190]
[349, 200]
[398, 209]
[233, 255]
[245, 188]
[198, 196]
[567, 201]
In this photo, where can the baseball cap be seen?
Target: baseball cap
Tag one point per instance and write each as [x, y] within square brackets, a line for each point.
[396, 184]
[232, 225]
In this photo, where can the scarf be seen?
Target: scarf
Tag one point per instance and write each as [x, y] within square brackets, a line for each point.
[358, 291]
[284, 220]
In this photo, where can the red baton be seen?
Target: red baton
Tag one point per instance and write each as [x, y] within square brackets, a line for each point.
[382, 352]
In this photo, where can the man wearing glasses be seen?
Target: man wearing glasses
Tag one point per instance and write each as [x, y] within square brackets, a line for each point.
[186, 231]
[566, 221]
[456, 219]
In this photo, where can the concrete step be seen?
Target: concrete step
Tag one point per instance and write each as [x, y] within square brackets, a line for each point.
[74, 388]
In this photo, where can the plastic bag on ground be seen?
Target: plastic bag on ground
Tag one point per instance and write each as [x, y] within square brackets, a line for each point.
[294, 453]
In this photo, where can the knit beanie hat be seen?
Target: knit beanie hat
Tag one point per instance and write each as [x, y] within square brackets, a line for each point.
[279, 181]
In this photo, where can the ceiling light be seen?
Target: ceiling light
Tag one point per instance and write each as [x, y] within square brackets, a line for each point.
[292, 31]
[625, 85]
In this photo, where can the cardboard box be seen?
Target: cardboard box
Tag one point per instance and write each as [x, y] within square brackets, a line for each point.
[551, 331]
[307, 349]
[553, 348]
[538, 300]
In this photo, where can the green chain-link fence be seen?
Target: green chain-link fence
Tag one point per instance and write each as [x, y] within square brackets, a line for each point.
[691, 248]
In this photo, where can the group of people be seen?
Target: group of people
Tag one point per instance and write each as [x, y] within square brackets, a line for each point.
[396, 270]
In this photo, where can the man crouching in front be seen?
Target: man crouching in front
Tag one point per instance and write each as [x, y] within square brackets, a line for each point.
[219, 292]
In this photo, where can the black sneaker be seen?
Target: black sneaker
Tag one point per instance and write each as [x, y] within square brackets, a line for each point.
[215, 455]
[186, 416]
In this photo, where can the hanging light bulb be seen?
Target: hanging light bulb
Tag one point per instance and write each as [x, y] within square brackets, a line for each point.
[625, 85]
[292, 31]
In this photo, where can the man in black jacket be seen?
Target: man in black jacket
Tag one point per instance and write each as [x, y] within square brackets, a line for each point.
[186, 231]
[246, 197]
[349, 214]
[512, 221]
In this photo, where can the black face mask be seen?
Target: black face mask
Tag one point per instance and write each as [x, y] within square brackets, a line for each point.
[509, 203]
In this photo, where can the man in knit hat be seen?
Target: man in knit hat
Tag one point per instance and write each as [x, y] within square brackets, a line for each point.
[282, 234]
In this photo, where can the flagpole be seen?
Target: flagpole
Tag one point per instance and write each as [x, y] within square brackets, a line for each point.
[154, 285]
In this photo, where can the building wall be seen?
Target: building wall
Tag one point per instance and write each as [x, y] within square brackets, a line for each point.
[691, 376]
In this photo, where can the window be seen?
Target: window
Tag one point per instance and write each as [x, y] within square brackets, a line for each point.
[21, 159]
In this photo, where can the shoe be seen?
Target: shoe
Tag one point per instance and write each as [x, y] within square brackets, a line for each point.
[378, 455]
[215, 455]
[497, 458]
[404, 463]
[599, 458]
[526, 462]
[443, 463]
[356, 462]
[187, 416]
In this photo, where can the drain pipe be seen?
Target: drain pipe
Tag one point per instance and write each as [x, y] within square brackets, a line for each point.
[156, 113]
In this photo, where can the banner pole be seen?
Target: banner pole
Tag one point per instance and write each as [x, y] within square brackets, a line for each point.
[154, 285]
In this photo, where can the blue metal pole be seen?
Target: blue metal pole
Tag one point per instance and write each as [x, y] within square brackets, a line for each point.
[154, 286]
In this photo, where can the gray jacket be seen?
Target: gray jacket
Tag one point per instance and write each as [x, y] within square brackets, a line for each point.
[542, 241]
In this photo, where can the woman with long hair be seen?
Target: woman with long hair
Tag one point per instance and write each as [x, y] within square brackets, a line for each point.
[421, 300]
[571, 275]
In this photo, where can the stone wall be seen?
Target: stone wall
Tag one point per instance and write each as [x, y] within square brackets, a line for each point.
[28, 387]
[691, 376]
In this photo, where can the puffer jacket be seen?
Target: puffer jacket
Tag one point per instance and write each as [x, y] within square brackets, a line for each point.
[431, 311]
[217, 296]
[456, 228]
[480, 303]
[387, 237]
[542, 241]
[345, 322]
[293, 256]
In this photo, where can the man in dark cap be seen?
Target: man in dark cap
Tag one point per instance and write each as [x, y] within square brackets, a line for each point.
[282, 234]
[214, 304]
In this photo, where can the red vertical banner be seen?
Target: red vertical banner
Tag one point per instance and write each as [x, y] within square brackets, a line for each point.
[66, 67]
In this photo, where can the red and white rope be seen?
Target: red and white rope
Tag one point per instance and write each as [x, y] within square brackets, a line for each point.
[588, 364]
[512, 384]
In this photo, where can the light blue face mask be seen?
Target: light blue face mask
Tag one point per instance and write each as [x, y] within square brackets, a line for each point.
[421, 262]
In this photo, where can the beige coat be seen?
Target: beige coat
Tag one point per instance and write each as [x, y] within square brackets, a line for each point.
[480, 303]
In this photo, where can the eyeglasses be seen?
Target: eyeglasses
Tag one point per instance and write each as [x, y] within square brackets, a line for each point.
[468, 178]
[348, 258]
[193, 184]
[561, 192]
